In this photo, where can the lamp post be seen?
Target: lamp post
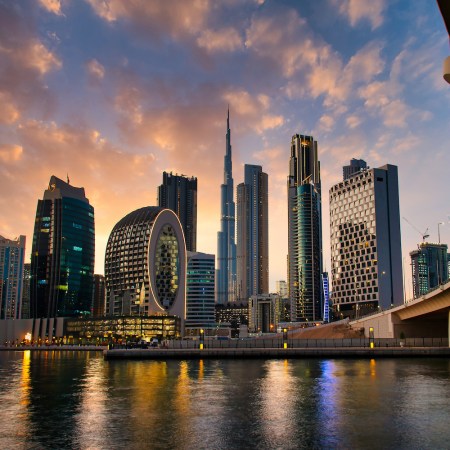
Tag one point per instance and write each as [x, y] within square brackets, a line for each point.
[439, 231]
[202, 338]
[285, 344]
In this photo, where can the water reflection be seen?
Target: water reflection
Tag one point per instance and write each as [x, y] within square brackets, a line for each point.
[77, 400]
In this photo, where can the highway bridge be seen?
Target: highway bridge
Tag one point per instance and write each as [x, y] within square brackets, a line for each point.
[427, 316]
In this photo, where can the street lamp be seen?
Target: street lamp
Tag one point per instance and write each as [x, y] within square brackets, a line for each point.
[202, 338]
[285, 344]
[439, 232]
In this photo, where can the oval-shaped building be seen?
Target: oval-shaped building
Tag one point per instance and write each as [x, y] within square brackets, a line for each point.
[145, 264]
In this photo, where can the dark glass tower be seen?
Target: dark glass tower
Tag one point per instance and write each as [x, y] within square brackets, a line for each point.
[179, 194]
[252, 248]
[226, 245]
[62, 259]
[304, 231]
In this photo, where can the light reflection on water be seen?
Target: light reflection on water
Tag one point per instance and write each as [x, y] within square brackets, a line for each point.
[76, 400]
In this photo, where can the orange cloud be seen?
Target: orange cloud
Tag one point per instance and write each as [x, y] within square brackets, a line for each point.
[356, 11]
[224, 40]
[53, 6]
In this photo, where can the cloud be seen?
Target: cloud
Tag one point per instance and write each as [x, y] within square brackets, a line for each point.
[326, 122]
[224, 40]
[24, 64]
[95, 70]
[156, 18]
[353, 121]
[10, 153]
[52, 6]
[357, 10]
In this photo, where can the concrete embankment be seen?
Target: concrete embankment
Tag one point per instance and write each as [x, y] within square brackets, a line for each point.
[53, 348]
[273, 353]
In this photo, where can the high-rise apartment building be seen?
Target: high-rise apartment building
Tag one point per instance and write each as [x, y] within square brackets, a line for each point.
[12, 253]
[304, 231]
[252, 247]
[63, 251]
[355, 166]
[179, 193]
[282, 289]
[226, 244]
[98, 302]
[429, 265]
[200, 285]
[145, 265]
[26, 291]
[366, 257]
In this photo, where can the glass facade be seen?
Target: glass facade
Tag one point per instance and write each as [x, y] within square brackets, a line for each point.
[167, 263]
[429, 267]
[123, 328]
[305, 231]
[12, 254]
[62, 260]
[200, 282]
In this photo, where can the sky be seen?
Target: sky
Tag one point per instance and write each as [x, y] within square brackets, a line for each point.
[112, 93]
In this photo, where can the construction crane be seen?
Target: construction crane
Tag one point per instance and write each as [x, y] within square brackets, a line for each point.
[424, 234]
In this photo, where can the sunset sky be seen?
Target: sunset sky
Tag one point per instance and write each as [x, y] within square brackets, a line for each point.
[114, 92]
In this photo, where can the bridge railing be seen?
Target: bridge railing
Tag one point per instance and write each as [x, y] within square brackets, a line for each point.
[310, 343]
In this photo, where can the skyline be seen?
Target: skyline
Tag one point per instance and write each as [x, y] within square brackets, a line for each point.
[114, 94]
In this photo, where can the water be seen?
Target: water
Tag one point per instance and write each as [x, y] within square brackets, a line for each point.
[62, 400]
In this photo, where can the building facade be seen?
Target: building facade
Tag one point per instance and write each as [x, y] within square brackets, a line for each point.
[63, 252]
[26, 291]
[366, 255]
[98, 302]
[12, 254]
[179, 193]
[252, 247]
[145, 265]
[305, 231]
[226, 244]
[429, 266]
[200, 284]
[265, 312]
[355, 166]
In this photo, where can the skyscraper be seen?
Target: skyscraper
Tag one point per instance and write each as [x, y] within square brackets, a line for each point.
[62, 259]
[429, 265]
[252, 248]
[304, 231]
[355, 166]
[98, 302]
[12, 253]
[226, 245]
[200, 281]
[179, 194]
[366, 257]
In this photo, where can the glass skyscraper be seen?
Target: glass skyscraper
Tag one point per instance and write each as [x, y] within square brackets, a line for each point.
[12, 253]
[63, 251]
[179, 194]
[304, 231]
[226, 245]
[252, 248]
[429, 267]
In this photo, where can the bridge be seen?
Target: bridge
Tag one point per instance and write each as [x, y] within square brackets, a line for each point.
[425, 317]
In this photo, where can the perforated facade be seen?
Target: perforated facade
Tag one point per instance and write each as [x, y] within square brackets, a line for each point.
[365, 242]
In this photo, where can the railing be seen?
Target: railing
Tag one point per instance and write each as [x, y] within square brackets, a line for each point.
[309, 343]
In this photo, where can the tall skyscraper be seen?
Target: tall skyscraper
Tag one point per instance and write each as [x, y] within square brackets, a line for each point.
[252, 248]
[305, 231]
[200, 284]
[226, 245]
[355, 166]
[62, 259]
[366, 254]
[429, 265]
[145, 265]
[12, 253]
[179, 194]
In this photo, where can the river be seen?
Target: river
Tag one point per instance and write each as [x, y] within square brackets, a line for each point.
[76, 400]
